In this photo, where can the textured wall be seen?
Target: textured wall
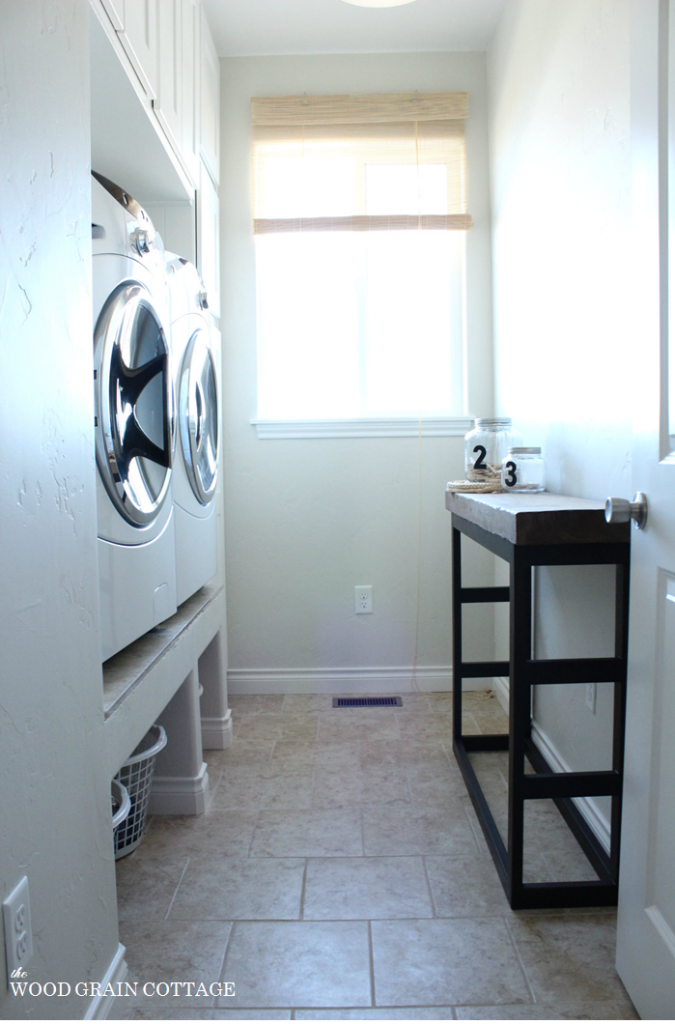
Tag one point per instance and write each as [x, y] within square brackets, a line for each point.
[560, 164]
[54, 809]
[308, 520]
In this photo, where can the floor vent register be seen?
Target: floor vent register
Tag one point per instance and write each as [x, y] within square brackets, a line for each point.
[367, 702]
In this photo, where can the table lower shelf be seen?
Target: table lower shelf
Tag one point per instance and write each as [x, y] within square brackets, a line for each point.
[538, 895]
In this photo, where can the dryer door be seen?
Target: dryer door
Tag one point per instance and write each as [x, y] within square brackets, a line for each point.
[134, 403]
[198, 414]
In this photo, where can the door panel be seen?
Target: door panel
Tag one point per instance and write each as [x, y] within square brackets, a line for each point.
[645, 944]
[661, 841]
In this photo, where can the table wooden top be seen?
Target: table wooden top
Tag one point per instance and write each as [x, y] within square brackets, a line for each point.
[525, 518]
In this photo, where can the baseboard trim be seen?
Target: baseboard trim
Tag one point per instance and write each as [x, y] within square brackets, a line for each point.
[403, 679]
[175, 794]
[542, 741]
[586, 804]
[217, 732]
[100, 1006]
[500, 684]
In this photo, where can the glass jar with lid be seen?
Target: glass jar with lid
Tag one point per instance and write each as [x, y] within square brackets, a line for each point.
[484, 448]
[523, 470]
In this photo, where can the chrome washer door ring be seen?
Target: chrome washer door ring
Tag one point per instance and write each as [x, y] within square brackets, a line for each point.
[198, 411]
[134, 404]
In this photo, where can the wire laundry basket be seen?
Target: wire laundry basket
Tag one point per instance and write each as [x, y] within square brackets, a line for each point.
[121, 804]
[136, 776]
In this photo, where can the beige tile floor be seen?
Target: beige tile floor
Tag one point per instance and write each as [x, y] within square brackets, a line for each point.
[340, 874]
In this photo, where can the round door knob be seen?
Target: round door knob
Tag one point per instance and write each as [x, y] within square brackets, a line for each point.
[619, 510]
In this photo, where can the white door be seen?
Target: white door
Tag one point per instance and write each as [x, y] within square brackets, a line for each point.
[646, 933]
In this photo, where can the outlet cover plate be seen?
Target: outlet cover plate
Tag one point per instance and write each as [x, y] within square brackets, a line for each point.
[591, 696]
[363, 599]
[18, 934]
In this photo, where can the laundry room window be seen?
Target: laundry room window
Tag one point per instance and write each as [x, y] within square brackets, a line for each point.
[360, 222]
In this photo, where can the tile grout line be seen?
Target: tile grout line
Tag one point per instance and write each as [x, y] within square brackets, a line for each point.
[311, 799]
[476, 837]
[222, 966]
[371, 960]
[175, 892]
[434, 912]
[250, 845]
[407, 782]
[520, 959]
[212, 792]
[302, 891]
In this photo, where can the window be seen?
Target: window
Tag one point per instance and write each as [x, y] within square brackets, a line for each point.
[360, 222]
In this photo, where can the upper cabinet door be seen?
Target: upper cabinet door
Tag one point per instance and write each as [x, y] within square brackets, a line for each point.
[208, 239]
[190, 87]
[140, 40]
[175, 103]
[169, 102]
[209, 134]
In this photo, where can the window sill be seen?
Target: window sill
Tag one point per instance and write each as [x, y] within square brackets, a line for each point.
[401, 426]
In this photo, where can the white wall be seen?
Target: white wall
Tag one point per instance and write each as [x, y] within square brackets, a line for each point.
[560, 167]
[55, 802]
[308, 520]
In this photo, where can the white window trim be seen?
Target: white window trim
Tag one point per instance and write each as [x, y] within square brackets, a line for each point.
[398, 426]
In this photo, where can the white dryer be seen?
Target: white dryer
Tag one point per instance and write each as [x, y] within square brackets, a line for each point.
[196, 465]
[135, 419]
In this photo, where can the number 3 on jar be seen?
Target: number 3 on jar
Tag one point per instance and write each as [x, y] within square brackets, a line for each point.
[510, 478]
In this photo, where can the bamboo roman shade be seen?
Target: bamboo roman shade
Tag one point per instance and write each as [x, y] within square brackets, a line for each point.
[359, 163]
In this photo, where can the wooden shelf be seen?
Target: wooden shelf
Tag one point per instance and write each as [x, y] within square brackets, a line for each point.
[139, 682]
[126, 670]
[538, 518]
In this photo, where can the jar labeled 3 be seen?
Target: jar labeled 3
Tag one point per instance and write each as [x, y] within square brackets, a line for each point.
[523, 470]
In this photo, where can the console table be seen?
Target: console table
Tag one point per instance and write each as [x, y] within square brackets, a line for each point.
[526, 531]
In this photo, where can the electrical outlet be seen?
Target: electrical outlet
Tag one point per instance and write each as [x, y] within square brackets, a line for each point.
[18, 935]
[591, 692]
[363, 600]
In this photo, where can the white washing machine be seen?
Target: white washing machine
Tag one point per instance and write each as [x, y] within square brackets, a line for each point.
[195, 474]
[135, 419]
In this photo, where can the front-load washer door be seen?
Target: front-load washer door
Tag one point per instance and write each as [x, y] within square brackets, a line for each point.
[198, 416]
[134, 403]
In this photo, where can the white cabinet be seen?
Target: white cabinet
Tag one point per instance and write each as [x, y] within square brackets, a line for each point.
[168, 104]
[209, 125]
[139, 38]
[190, 86]
[166, 46]
[208, 239]
[175, 102]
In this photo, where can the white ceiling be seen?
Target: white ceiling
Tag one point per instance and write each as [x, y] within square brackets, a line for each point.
[262, 27]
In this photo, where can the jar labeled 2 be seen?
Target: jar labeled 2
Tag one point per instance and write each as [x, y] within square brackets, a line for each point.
[523, 470]
[484, 448]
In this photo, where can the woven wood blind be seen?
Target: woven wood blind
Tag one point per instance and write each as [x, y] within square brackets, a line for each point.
[359, 163]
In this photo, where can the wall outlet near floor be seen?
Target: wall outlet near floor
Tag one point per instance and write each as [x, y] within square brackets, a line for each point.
[18, 935]
[363, 600]
[590, 696]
